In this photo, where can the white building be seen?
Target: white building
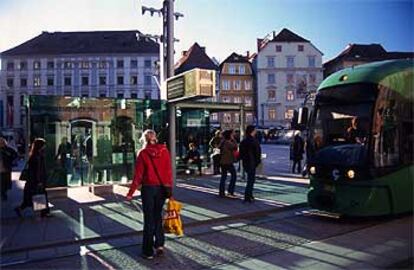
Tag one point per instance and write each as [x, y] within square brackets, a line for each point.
[288, 67]
[87, 64]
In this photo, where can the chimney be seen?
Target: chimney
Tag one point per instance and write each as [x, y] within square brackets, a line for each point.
[183, 53]
[203, 49]
[248, 54]
[274, 34]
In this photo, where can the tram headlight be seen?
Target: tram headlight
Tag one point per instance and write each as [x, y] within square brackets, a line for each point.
[351, 174]
[312, 170]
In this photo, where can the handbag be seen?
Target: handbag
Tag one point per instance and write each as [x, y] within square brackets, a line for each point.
[24, 175]
[236, 155]
[166, 191]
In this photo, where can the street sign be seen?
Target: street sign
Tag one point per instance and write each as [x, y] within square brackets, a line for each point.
[195, 83]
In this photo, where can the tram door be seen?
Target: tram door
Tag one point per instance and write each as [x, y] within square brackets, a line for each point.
[82, 136]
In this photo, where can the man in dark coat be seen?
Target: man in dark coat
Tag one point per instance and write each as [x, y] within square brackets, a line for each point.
[7, 156]
[250, 155]
[297, 148]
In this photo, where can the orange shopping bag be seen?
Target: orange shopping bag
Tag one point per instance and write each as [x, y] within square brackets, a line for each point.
[172, 220]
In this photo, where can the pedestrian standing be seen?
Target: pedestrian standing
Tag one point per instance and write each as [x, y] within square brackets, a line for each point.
[228, 148]
[215, 149]
[297, 152]
[36, 182]
[7, 157]
[153, 176]
[250, 154]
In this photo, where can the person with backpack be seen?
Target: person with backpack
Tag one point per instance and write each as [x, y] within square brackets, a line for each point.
[153, 176]
[228, 148]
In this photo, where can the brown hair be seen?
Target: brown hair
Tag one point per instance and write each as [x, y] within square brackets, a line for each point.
[37, 144]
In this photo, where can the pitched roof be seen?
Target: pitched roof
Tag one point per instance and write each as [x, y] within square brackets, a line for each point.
[235, 58]
[195, 57]
[94, 42]
[367, 53]
[288, 36]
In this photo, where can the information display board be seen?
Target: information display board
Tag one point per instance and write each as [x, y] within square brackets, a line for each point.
[193, 83]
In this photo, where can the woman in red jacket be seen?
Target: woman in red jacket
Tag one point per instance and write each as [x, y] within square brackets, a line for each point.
[153, 176]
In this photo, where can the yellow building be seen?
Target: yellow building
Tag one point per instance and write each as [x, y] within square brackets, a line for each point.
[237, 86]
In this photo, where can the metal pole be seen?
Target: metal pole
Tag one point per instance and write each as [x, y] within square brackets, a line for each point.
[242, 135]
[170, 38]
[168, 46]
[172, 116]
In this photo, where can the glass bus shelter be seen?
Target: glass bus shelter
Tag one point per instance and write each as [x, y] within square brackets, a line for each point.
[94, 141]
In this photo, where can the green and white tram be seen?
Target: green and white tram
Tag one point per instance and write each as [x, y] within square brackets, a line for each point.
[360, 143]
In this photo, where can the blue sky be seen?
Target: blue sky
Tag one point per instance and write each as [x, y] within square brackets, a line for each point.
[223, 26]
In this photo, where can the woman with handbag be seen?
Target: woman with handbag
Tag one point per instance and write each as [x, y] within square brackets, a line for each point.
[228, 156]
[36, 180]
[153, 176]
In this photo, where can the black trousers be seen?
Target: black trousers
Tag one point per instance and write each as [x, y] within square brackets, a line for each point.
[251, 178]
[224, 169]
[216, 164]
[152, 203]
[5, 179]
[297, 163]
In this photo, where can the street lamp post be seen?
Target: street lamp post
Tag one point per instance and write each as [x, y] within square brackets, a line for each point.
[167, 39]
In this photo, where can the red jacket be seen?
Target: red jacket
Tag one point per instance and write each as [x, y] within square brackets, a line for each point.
[144, 169]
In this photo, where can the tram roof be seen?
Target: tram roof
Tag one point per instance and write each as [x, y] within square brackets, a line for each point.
[387, 73]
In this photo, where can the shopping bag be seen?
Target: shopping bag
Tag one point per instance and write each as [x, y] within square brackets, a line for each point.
[39, 202]
[172, 219]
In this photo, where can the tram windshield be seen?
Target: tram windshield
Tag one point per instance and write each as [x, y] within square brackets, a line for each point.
[340, 130]
[340, 133]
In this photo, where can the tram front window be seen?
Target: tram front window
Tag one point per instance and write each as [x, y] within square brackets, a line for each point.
[340, 134]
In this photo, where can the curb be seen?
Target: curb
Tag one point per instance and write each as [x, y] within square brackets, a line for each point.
[118, 235]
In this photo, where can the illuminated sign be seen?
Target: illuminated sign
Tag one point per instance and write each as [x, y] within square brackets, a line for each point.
[194, 83]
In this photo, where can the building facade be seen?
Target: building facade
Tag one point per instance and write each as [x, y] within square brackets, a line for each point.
[288, 71]
[77, 64]
[236, 86]
[196, 57]
[357, 54]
